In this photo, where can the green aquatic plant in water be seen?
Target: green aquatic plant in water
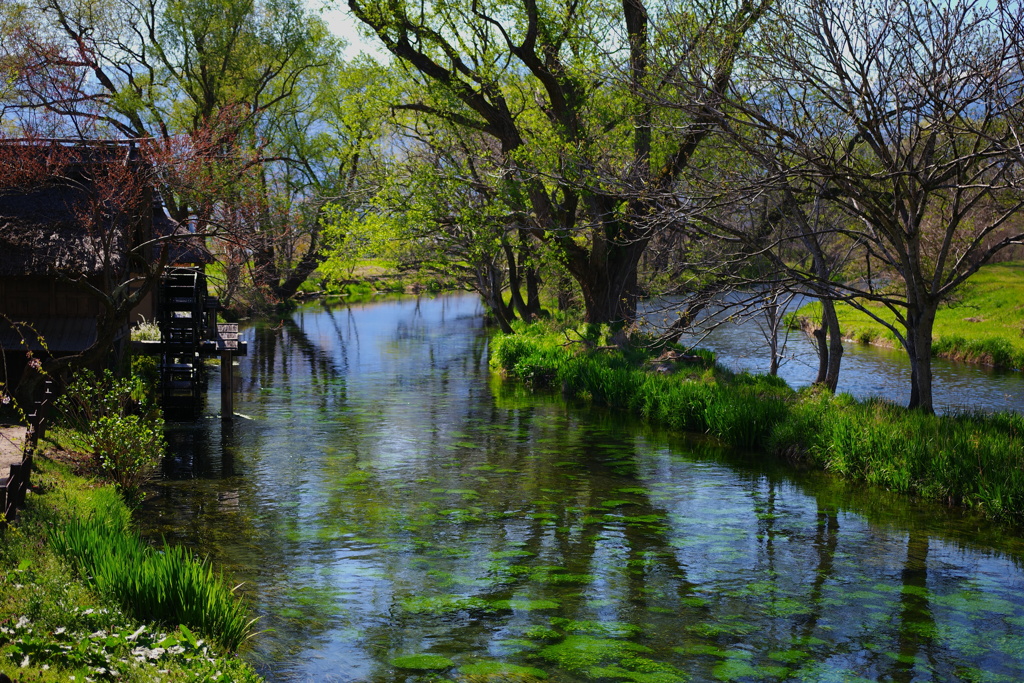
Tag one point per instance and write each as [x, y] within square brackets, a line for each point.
[423, 662]
[501, 671]
[612, 629]
[443, 604]
[525, 605]
[609, 658]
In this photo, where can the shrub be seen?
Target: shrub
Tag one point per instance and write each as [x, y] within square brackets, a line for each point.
[114, 419]
[90, 397]
[127, 448]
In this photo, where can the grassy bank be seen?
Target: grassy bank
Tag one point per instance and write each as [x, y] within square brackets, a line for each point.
[83, 598]
[984, 324]
[375, 276]
[976, 461]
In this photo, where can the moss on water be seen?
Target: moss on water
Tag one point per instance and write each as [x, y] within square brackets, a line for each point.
[501, 671]
[613, 629]
[439, 605]
[734, 668]
[542, 633]
[580, 653]
[423, 662]
[524, 605]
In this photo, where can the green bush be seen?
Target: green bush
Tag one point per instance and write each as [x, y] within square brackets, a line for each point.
[114, 419]
[127, 448]
[90, 397]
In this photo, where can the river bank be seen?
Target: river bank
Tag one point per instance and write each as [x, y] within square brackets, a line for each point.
[55, 626]
[969, 460]
[983, 324]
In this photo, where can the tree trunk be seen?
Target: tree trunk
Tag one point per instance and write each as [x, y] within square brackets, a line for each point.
[608, 282]
[920, 322]
[533, 306]
[515, 280]
[300, 273]
[489, 283]
[821, 346]
[830, 322]
[772, 315]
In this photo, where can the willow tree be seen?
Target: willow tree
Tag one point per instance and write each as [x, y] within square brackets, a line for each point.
[561, 87]
[196, 78]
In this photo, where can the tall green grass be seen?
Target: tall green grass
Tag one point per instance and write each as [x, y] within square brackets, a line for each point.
[972, 460]
[169, 586]
[742, 413]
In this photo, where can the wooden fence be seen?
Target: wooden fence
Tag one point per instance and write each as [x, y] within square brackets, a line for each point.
[14, 486]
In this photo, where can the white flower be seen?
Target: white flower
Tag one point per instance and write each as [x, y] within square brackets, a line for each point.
[25, 662]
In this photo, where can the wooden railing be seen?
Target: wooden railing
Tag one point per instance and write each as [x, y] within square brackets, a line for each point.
[14, 486]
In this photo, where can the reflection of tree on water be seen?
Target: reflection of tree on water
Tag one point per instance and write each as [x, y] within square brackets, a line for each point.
[915, 625]
[826, 540]
[543, 535]
[283, 343]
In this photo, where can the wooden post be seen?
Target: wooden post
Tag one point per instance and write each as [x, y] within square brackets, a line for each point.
[227, 385]
[227, 342]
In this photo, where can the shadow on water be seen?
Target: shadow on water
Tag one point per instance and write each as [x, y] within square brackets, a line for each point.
[385, 498]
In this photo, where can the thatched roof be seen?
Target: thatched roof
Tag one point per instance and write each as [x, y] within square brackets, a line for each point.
[42, 232]
[48, 221]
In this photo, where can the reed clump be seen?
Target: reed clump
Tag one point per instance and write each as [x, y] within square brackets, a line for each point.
[169, 586]
[973, 460]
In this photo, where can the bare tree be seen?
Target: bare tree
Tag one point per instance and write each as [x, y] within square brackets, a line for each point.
[903, 115]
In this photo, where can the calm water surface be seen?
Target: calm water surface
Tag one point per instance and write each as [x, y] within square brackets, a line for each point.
[867, 371]
[385, 497]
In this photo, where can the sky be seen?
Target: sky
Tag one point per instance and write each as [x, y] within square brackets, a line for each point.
[343, 24]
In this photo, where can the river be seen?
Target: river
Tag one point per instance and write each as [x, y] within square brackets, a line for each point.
[388, 505]
[867, 371]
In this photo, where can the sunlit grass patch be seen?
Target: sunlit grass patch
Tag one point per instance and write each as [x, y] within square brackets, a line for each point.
[984, 323]
[56, 626]
[169, 586]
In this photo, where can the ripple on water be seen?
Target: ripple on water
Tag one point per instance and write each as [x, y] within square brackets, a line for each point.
[390, 504]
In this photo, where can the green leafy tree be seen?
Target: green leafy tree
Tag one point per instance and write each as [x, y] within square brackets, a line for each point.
[206, 83]
[561, 89]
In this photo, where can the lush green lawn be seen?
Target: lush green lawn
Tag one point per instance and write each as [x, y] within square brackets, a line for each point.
[983, 324]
